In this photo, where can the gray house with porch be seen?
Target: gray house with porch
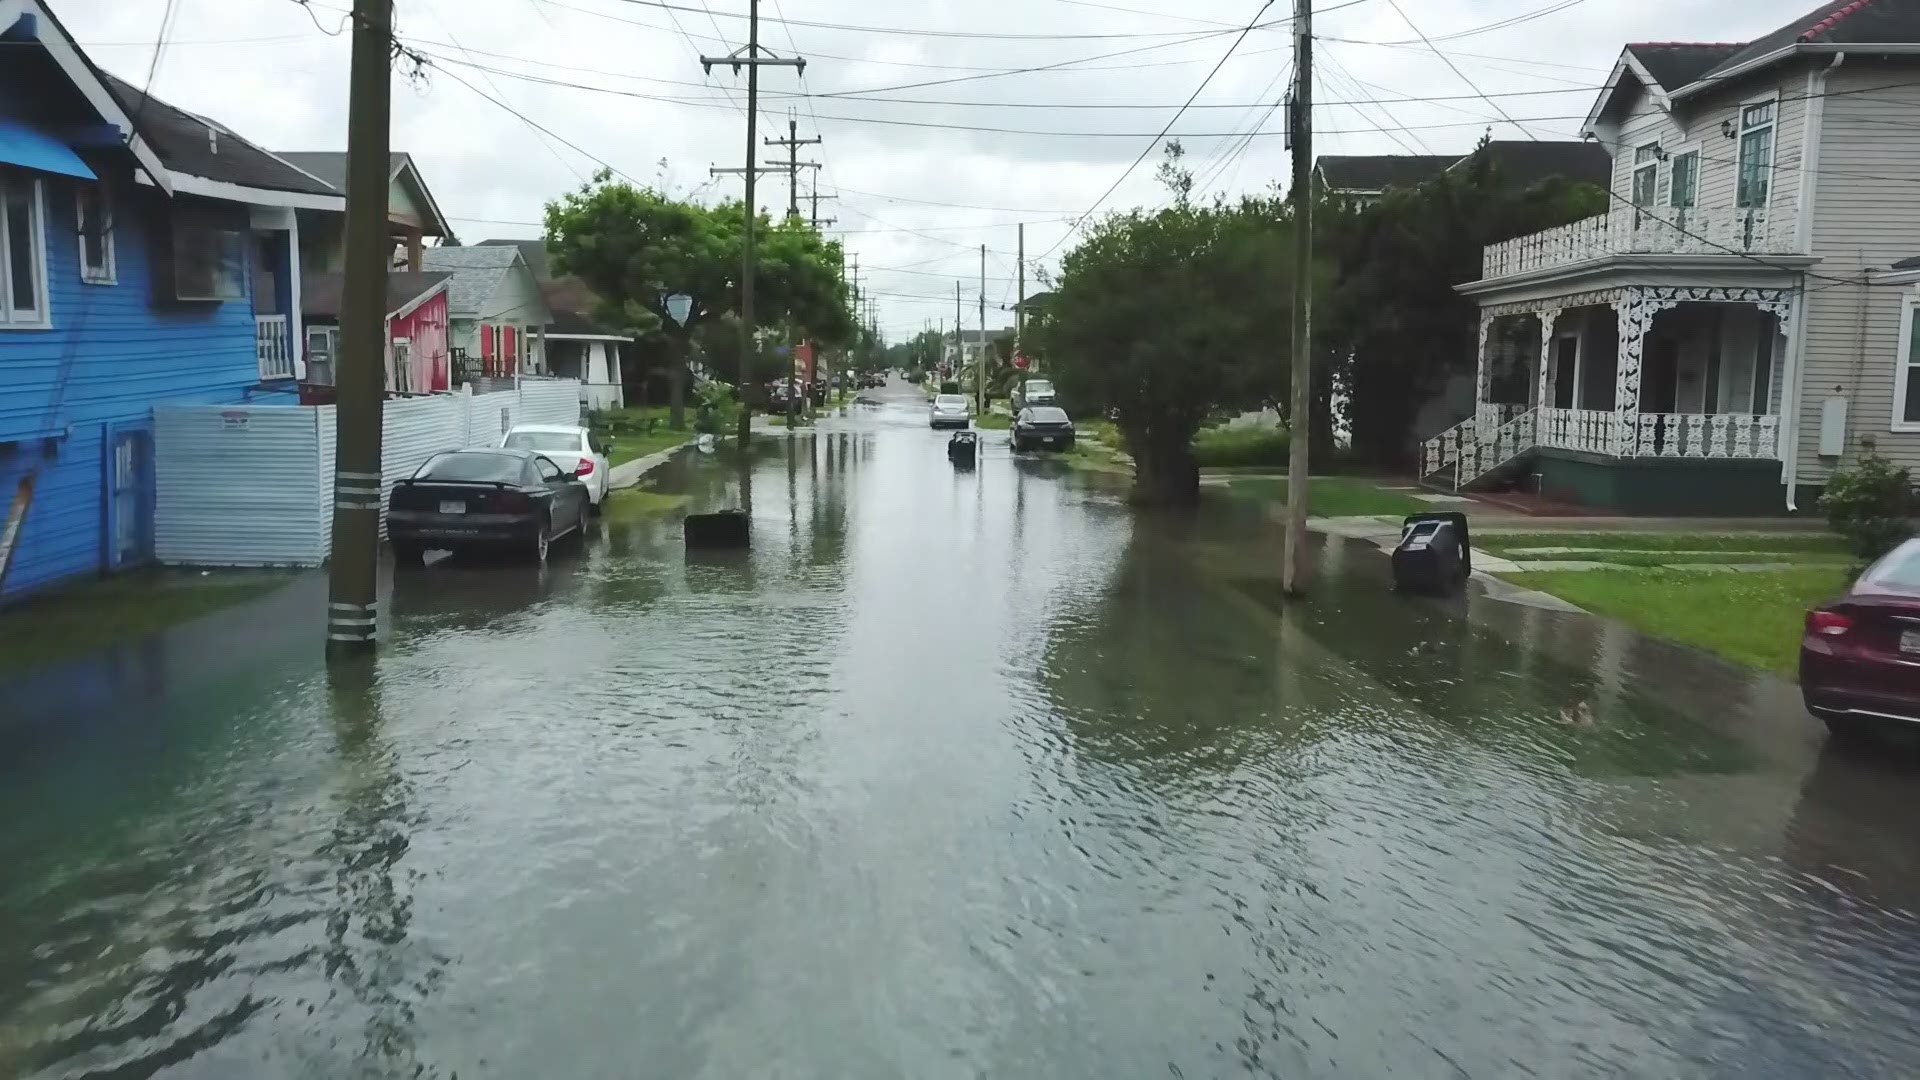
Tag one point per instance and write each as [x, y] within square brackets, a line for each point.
[1737, 322]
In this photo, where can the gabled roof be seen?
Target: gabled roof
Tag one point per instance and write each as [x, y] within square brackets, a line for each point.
[477, 271]
[534, 251]
[195, 146]
[1837, 22]
[86, 77]
[331, 166]
[320, 293]
[1378, 172]
[1674, 64]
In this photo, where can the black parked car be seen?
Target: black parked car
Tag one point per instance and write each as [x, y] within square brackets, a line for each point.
[500, 499]
[1042, 426]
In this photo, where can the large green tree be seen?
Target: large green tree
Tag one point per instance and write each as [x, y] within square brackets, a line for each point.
[1165, 315]
[636, 246]
[1394, 329]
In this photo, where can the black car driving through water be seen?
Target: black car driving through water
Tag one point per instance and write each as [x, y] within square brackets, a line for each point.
[1042, 426]
[497, 499]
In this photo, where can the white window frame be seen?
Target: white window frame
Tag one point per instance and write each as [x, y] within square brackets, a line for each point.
[1578, 338]
[43, 318]
[1903, 362]
[1772, 126]
[1651, 164]
[1673, 175]
[107, 273]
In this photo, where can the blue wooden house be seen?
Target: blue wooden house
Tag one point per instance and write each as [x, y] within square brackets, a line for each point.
[147, 255]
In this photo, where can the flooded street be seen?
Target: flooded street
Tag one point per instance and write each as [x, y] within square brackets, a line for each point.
[955, 774]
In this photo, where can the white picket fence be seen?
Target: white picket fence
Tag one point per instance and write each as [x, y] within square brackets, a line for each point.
[252, 485]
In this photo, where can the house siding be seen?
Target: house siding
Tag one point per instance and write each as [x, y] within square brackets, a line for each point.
[518, 302]
[1866, 216]
[112, 353]
[1695, 124]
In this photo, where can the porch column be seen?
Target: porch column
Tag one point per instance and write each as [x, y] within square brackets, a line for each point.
[1483, 375]
[296, 328]
[1635, 309]
[1549, 319]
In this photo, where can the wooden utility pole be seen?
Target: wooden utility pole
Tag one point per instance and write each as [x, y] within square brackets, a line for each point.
[980, 361]
[815, 216]
[753, 58]
[1020, 289]
[793, 142]
[352, 579]
[959, 335]
[1294, 553]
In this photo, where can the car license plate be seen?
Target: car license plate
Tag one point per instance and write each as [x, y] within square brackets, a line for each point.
[453, 507]
[1910, 641]
[1049, 440]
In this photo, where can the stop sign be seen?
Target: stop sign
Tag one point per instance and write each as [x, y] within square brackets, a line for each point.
[1019, 362]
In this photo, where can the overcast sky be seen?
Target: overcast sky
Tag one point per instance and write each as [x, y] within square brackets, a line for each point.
[914, 201]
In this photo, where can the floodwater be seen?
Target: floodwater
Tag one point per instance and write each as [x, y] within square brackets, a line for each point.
[954, 775]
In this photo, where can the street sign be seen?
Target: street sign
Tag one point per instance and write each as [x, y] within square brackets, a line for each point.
[1019, 362]
[679, 306]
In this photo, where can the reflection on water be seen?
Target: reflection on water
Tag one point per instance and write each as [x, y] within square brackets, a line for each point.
[949, 773]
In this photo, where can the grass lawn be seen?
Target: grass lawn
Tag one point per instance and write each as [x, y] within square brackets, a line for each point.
[993, 421]
[635, 504]
[1223, 447]
[118, 609]
[1674, 558]
[1751, 618]
[1772, 542]
[1336, 496]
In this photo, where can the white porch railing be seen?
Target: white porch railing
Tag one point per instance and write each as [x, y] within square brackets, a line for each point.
[272, 345]
[1473, 453]
[1577, 429]
[1651, 230]
[1704, 435]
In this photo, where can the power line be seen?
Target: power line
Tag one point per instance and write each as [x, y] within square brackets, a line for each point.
[1395, 4]
[907, 31]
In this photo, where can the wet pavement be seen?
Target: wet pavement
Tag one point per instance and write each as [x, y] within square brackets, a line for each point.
[953, 774]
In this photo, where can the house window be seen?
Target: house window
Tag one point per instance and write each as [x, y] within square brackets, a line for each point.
[94, 212]
[1646, 174]
[23, 256]
[209, 260]
[1686, 180]
[1906, 389]
[1756, 154]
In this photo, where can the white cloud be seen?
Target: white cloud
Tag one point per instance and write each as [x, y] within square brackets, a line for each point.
[288, 91]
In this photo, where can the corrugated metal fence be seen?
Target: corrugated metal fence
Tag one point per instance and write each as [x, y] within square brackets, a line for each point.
[252, 485]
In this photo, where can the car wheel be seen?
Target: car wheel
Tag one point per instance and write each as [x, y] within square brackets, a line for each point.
[537, 549]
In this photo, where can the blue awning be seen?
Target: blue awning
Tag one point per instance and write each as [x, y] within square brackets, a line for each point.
[30, 148]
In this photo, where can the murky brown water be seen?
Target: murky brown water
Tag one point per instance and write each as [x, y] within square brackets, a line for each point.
[953, 775]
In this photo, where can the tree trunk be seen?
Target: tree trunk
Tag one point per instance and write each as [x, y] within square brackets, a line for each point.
[1164, 470]
[676, 383]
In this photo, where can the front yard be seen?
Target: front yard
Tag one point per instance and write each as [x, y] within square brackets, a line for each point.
[1338, 496]
[635, 433]
[1741, 595]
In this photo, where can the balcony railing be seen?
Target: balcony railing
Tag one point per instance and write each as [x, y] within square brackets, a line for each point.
[1652, 230]
[272, 346]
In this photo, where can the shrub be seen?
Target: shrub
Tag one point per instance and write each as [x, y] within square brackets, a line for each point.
[1222, 447]
[1869, 505]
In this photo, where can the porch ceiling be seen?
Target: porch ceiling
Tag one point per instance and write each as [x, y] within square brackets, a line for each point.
[1621, 271]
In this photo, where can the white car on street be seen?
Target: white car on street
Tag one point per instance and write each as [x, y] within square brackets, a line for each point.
[571, 447]
[949, 410]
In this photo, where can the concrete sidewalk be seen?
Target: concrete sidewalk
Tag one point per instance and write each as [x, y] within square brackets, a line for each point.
[627, 474]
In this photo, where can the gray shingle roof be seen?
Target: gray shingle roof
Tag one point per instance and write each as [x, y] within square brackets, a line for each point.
[1837, 22]
[331, 165]
[197, 146]
[477, 271]
[320, 294]
[1674, 64]
[534, 251]
[1377, 172]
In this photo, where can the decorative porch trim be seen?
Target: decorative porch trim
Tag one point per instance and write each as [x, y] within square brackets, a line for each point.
[1558, 303]
[1635, 310]
[1549, 322]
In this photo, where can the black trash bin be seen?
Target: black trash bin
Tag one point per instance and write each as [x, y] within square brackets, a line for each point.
[963, 448]
[1435, 554]
[725, 529]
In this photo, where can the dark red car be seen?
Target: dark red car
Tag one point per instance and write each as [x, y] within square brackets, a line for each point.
[1860, 654]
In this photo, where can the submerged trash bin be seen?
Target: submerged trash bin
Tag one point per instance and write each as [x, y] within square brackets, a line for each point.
[963, 448]
[1435, 554]
[726, 529]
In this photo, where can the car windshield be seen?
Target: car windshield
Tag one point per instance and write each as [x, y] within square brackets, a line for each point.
[1039, 387]
[566, 441]
[950, 401]
[1899, 570]
[474, 468]
[1047, 415]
